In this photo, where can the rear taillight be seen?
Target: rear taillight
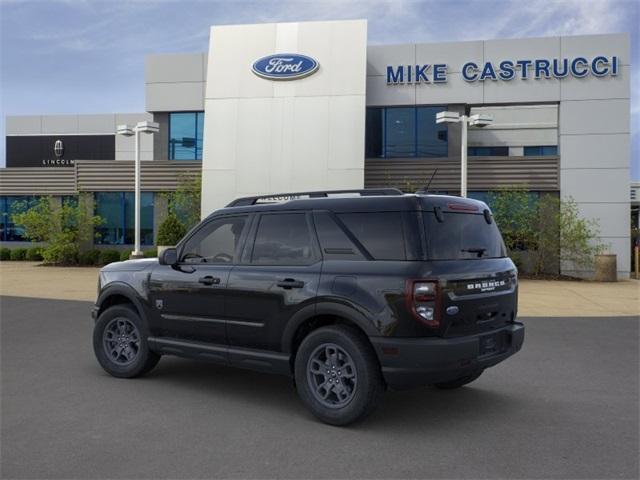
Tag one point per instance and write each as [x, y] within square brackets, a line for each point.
[423, 301]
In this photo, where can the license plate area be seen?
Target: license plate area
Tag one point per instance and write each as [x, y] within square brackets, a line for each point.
[493, 344]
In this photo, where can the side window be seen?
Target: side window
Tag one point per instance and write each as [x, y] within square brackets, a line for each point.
[334, 242]
[216, 242]
[380, 233]
[283, 239]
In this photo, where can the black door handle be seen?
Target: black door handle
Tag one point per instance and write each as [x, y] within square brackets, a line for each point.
[209, 280]
[288, 283]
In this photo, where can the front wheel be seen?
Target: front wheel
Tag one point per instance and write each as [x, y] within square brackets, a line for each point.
[337, 375]
[120, 343]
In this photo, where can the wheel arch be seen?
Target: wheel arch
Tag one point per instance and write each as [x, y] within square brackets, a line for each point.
[320, 315]
[118, 294]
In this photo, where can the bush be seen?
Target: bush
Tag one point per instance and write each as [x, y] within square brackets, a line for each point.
[18, 254]
[171, 231]
[124, 255]
[151, 253]
[5, 254]
[62, 228]
[109, 256]
[34, 254]
[90, 257]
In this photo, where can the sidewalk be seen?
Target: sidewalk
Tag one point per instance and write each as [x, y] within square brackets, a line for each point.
[537, 298]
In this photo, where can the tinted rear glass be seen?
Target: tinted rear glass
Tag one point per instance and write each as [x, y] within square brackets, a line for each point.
[462, 236]
[380, 233]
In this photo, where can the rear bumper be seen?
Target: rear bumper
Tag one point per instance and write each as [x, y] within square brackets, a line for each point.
[414, 362]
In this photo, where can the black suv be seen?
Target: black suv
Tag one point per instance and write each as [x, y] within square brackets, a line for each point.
[347, 292]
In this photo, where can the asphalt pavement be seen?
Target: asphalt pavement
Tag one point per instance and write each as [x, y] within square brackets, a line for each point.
[565, 406]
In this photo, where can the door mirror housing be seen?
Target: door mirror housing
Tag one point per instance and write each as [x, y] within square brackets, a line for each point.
[169, 257]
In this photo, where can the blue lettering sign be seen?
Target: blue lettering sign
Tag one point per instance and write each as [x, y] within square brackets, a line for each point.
[396, 76]
[506, 70]
[470, 66]
[439, 73]
[285, 66]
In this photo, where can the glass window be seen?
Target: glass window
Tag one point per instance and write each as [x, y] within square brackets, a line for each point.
[541, 151]
[334, 242]
[374, 133]
[393, 132]
[488, 151]
[380, 234]
[432, 136]
[185, 135]
[9, 206]
[462, 236]
[283, 239]
[400, 128]
[216, 242]
[117, 212]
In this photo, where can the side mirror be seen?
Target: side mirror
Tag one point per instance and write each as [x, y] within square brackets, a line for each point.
[169, 257]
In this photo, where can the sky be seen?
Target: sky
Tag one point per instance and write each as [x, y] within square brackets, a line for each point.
[87, 56]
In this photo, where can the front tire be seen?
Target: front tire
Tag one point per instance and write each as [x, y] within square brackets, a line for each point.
[337, 375]
[120, 343]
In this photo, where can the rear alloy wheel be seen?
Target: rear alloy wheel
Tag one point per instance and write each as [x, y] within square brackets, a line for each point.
[120, 343]
[337, 375]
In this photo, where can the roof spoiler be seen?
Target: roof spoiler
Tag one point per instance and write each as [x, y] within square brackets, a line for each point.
[283, 197]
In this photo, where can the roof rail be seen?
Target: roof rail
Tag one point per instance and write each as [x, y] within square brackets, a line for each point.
[283, 197]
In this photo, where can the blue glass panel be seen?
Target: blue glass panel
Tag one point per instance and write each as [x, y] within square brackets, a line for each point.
[109, 207]
[432, 138]
[400, 126]
[541, 150]
[374, 133]
[185, 135]
[12, 232]
[117, 211]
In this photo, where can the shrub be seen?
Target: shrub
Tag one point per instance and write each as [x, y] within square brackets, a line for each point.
[171, 231]
[5, 254]
[109, 256]
[151, 253]
[124, 255]
[90, 257]
[63, 228]
[18, 254]
[34, 254]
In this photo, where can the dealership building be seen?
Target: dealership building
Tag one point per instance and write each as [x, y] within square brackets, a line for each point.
[304, 106]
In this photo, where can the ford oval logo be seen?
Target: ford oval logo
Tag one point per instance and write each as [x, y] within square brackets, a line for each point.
[285, 66]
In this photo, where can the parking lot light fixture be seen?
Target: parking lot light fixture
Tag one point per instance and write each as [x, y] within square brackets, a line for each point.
[127, 131]
[477, 120]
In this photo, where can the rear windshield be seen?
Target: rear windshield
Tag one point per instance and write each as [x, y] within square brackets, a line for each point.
[462, 236]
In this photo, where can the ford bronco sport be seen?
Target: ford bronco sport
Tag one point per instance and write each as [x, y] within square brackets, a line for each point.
[347, 292]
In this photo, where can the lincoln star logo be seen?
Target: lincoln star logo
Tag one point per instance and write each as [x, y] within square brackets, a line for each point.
[58, 148]
[487, 285]
[285, 66]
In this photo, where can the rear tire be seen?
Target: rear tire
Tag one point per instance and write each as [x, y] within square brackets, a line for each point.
[458, 382]
[120, 343]
[337, 375]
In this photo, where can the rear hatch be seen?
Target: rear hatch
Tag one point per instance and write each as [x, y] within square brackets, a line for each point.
[477, 282]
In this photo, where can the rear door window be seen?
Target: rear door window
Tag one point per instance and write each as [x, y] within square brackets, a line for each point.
[283, 239]
[462, 236]
[380, 233]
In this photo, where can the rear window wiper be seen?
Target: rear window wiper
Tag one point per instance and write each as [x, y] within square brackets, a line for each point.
[479, 251]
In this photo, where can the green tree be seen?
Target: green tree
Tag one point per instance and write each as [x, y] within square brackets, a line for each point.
[63, 228]
[184, 203]
[516, 217]
[171, 231]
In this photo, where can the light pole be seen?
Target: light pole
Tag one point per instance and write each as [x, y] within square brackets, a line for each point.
[127, 131]
[478, 120]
